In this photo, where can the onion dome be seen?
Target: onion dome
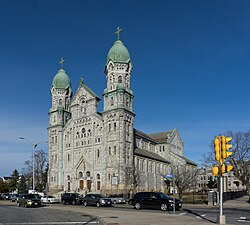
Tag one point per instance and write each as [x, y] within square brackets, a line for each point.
[118, 53]
[61, 80]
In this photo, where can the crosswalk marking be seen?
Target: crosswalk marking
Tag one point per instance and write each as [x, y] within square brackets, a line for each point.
[200, 217]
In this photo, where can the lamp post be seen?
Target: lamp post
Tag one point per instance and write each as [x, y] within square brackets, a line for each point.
[34, 145]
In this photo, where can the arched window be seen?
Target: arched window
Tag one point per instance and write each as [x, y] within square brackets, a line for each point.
[98, 177]
[114, 150]
[68, 177]
[87, 174]
[120, 79]
[114, 126]
[98, 153]
[109, 151]
[80, 175]
[60, 101]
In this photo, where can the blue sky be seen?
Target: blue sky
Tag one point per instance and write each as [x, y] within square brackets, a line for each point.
[190, 65]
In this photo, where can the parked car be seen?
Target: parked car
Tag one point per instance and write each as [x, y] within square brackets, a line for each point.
[71, 198]
[28, 200]
[49, 199]
[6, 196]
[154, 200]
[97, 200]
[14, 197]
[117, 199]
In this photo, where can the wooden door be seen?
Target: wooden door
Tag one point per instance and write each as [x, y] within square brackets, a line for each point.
[81, 184]
[98, 185]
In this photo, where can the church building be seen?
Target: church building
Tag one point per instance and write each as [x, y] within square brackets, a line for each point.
[102, 152]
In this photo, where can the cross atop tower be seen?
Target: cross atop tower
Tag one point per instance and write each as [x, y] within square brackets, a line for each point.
[118, 31]
[62, 62]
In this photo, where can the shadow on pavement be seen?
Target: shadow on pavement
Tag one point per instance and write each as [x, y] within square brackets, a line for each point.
[197, 214]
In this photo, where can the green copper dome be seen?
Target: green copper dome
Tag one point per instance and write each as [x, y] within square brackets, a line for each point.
[61, 80]
[118, 53]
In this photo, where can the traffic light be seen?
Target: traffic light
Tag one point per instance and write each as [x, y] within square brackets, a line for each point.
[216, 171]
[217, 149]
[226, 146]
[226, 168]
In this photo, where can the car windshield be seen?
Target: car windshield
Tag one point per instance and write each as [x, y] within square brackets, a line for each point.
[164, 196]
[33, 196]
[98, 196]
[50, 196]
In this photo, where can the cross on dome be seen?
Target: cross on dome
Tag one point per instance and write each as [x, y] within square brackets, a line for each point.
[62, 62]
[118, 31]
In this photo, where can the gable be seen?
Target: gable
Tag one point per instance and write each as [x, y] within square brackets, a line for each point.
[84, 94]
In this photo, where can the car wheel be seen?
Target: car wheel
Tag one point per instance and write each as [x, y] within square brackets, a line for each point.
[137, 205]
[98, 204]
[114, 202]
[18, 204]
[73, 202]
[85, 203]
[63, 202]
[164, 207]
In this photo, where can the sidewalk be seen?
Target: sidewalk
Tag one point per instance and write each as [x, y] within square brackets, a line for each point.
[238, 202]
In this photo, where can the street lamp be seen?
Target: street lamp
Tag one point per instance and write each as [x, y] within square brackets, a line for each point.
[34, 145]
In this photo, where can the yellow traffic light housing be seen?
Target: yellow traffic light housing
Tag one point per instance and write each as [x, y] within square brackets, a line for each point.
[226, 168]
[225, 146]
[216, 171]
[217, 149]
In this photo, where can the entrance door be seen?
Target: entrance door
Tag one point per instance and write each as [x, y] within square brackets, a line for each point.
[89, 184]
[81, 184]
[98, 185]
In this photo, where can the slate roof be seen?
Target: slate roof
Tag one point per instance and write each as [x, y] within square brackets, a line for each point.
[161, 136]
[188, 161]
[143, 135]
[151, 155]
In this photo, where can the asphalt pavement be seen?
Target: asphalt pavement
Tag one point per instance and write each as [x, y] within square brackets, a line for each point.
[119, 216]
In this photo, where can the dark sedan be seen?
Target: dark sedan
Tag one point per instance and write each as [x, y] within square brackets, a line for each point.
[29, 200]
[96, 200]
[154, 200]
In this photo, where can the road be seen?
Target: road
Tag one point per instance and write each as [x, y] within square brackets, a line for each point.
[13, 215]
[236, 216]
[60, 214]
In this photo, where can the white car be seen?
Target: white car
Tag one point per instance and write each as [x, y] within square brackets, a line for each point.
[49, 199]
[117, 200]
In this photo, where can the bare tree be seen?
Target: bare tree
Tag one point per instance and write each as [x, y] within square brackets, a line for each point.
[134, 179]
[41, 160]
[240, 159]
[185, 177]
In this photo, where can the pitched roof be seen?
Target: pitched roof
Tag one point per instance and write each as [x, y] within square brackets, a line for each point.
[188, 161]
[81, 84]
[162, 136]
[143, 135]
[150, 155]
